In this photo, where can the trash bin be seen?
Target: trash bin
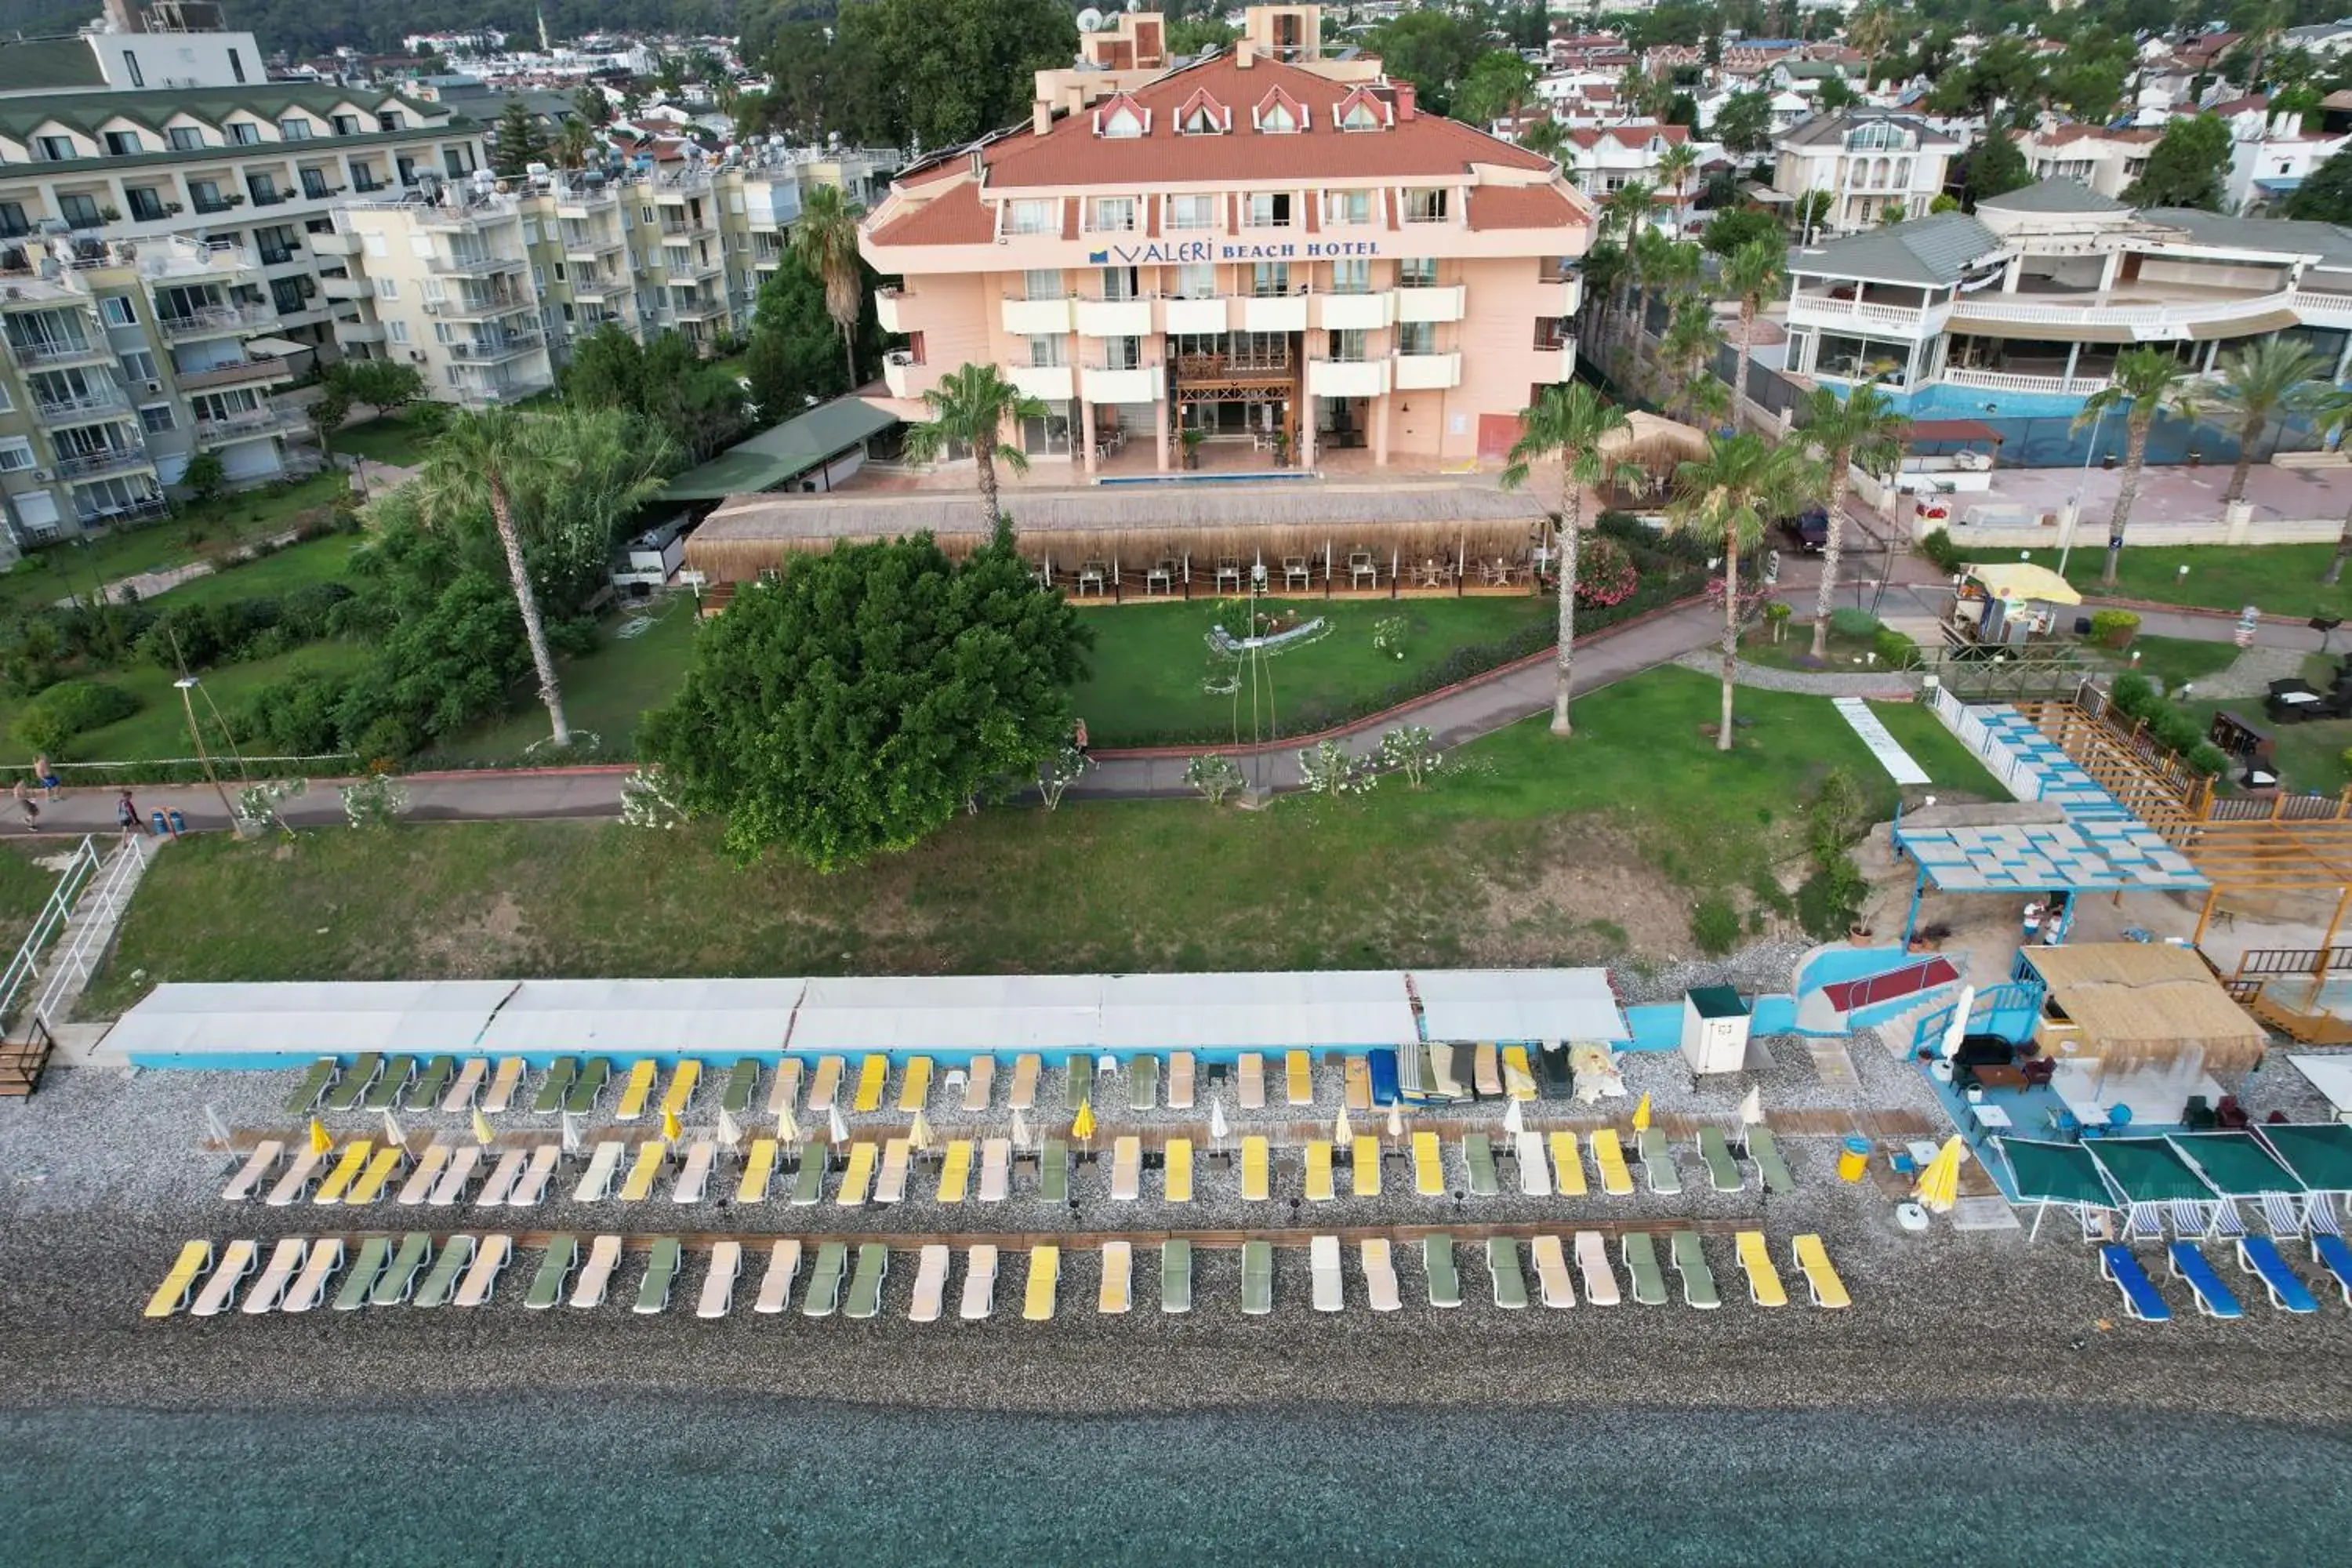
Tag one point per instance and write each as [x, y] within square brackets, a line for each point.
[161, 826]
[179, 823]
[1853, 1160]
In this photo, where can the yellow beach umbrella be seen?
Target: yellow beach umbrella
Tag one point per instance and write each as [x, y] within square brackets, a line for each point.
[321, 1138]
[482, 1133]
[1642, 1115]
[672, 1129]
[1939, 1184]
[1083, 1127]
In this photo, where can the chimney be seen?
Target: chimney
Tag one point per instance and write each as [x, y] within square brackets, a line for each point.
[1041, 116]
[1245, 51]
[1404, 109]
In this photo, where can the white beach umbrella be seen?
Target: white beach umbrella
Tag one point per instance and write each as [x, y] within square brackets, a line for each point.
[1515, 1120]
[731, 1135]
[392, 1133]
[572, 1139]
[1020, 1129]
[1396, 1125]
[215, 1128]
[1343, 1132]
[840, 1128]
[1958, 1026]
[788, 1130]
[1218, 1131]
[1751, 1109]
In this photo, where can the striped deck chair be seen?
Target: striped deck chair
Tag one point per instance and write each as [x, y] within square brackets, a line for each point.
[2191, 1219]
[2279, 1214]
[1077, 1081]
[2144, 1222]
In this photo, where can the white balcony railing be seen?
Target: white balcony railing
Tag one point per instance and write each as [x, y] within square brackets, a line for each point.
[2144, 318]
[2002, 381]
[1810, 309]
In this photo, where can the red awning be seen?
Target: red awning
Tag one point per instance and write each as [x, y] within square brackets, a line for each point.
[1954, 430]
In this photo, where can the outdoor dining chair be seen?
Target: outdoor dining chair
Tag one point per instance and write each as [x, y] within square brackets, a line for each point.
[1361, 569]
[1295, 573]
[1229, 573]
[1161, 579]
[1093, 574]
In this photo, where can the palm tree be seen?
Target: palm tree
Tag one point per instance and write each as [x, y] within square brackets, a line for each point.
[970, 407]
[477, 463]
[1724, 499]
[1690, 342]
[1862, 427]
[1655, 262]
[1572, 423]
[1547, 138]
[1750, 274]
[1626, 211]
[826, 239]
[2267, 379]
[1869, 32]
[574, 142]
[2147, 382]
[1674, 167]
[1604, 267]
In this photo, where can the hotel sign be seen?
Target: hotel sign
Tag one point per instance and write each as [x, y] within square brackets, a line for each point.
[1210, 250]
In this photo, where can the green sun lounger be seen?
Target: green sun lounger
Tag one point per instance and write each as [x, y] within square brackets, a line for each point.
[1176, 1276]
[315, 1083]
[360, 1281]
[823, 1292]
[448, 1268]
[399, 1277]
[1478, 1153]
[865, 1297]
[1765, 1150]
[581, 1098]
[661, 1273]
[1143, 1083]
[1054, 1172]
[1257, 1278]
[1698, 1279]
[808, 1184]
[735, 1100]
[1722, 1170]
[1078, 1087]
[352, 1085]
[384, 1093]
[425, 1093]
[560, 1075]
[1642, 1262]
[1437, 1262]
[1502, 1266]
[1658, 1162]
[554, 1272]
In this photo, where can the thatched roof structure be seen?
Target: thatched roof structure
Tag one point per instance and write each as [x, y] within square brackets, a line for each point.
[1136, 525]
[2145, 1002]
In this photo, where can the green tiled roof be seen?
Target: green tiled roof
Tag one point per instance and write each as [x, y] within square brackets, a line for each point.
[44, 65]
[87, 111]
[1927, 251]
[791, 449]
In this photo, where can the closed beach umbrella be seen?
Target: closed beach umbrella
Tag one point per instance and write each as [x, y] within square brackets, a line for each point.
[321, 1140]
[1343, 1133]
[571, 1133]
[672, 1129]
[482, 1133]
[788, 1130]
[1958, 1027]
[1082, 1126]
[1939, 1184]
[1751, 1109]
[840, 1128]
[919, 1134]
[392, 1133]
[1642, 1115]
[1020, 1131]
[730, 1134]
[215, 1128]
[1218, 1131]
[1515, 1122]
[1396, 1126]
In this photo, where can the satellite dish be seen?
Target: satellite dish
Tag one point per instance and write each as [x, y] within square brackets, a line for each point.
[1090, 20]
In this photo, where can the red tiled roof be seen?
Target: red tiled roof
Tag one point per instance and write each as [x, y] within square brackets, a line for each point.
[2059, 136]
[954, 217]
[2240, 105]
[1520, 206]
[1630, 135]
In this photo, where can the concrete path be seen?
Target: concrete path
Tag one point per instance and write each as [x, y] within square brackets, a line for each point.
[488, 796]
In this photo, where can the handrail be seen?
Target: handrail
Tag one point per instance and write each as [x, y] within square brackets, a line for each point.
[54, 915]
[81, 956]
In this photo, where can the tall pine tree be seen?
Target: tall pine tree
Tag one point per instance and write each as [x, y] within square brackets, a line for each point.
[516, 141]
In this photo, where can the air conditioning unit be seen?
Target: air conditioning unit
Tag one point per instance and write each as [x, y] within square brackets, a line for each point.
[155, 386]
[42, 476]
[416, 355]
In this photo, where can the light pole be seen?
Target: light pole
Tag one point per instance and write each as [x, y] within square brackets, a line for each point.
[2074, 506]
[186, 685]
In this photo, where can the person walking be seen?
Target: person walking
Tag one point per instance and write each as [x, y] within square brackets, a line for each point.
[45, 775]
[29, 806]
[126, 812]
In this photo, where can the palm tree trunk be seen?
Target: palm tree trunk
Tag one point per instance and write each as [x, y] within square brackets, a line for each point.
[534, 630]
[1746, 325]
[2135, 452]
[985, 459]
[849, 352]
[2247, 438]
[1564, 685]
[2342, 552]
[1832, 546]
[1730, 634]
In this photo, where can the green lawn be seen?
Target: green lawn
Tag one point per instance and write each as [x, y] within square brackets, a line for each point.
[396, 438]
[1795, 650]
[2176, 661]
[2278, 579]
[217, 527]
[1151, 665]
[1526, 851]
[24, 888]
[160, 729]
[604, 694]
[273, 575]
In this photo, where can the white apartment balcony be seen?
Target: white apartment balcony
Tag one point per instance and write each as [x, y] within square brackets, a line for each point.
[1347, 378]
[106, 402]
[1367, 311]
[490, 393]
[587, 249]
[252, 372]
[1273, 312]
[1114, 318]
[1812, 308]
[601, 287]
[906, 376]
[2323, 306]
[1196, 318]
[1123, 384]
[1556, 362]
[2002, 381]
[1428, 373]
[1567, 302]
[472, 266]
[492, 348]
[887, 311]
[345, 287]
[1036, 317]
[2137, 319]
[253, 424]
[463, 307]
[217, 321]
[349, 331]
[579, 202]
[335, 243]
[1046, 382]
[1431, 303]
[49, 354]
[98, 464]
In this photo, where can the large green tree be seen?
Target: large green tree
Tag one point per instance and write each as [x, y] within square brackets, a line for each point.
[2325, 195]
[1726, 500]
[1495, 85]
[1570, 424]
[1993, 167]
[943, 71]
[859, 701]
[1743, 124]
[1861, 428]
[794, 354]
[516, 140]
[826, 239]
[2187, 168]
[1433, 49]
[2269, 378]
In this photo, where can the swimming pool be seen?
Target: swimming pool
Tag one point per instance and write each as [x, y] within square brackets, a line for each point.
[1243, 478]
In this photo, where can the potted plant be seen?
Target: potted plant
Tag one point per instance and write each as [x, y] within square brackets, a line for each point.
[1192, 436]
[109, 215]
[1282, 448]
[173, 209]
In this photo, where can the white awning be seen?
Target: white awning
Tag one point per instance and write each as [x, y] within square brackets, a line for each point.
[720, 1017]
[273, 348]
[1460, 1004]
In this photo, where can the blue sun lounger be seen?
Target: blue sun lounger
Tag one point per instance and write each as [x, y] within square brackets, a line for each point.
[2140, 1298]
[2213, 1297]
[2259, 1255]
[2332, 1251]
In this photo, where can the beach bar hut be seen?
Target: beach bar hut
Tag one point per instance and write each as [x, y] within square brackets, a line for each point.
[2140, 1025]
[1715, 1029]
[2057, 1175]
[2007, 604]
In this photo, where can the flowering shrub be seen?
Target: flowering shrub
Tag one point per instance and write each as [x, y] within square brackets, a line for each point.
[1410, 750]
[373, 802]
[1389, 633]
[1605, 573]
[1215, 774]
[647, 801]
[1326, 768]
[1058, 773]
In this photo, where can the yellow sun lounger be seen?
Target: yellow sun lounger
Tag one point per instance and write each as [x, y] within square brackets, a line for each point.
[1764, 1287]
[1176, 1171]
[1319, 1189]
[825, 1086]
[1518, 1074]
[1026, 1068]
[1258, 1171]
[1567, 1166]
[1044, 1271]
[1249, 1080]
[347, 1171]
[682, 1086]
[873, 1078]
[1299, 1078]
[784, 1093]
[1609, 1159]
[759, 1169]
[1486, 1070]
[640, 1184]
[381, 1170]
[1428, 1166]
[179, 1284]
[955, 1171]
[1364, 1164]
[915, 1089]
[858, 1177]
[1821, 1277]
[638, 1092]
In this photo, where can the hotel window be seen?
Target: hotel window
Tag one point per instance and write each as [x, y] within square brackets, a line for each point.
[16, 455]
[1348, 206]
[1122, 354]
[1417, 272]
[1277, 120]
[1352, 277]
[1427, 206]
[115, 311]
[130, 63]
[1114, 214]
[1416, 337]
[1196, 281]
[387, 288]
[139, 365]
[146, 204]
[236, 65]
[1024, 217]
[56, 149]
[80, 211]
[245, 133]
[1118, 283]
[347, 125]
[1270, 278]
[397, 331]
[186, 138]
[1203, 120]
[1191, 212]
[1041, 283]
[1269, 209]
[1048, 348]
[13, 222]
[1124, 125]
[314, 184]
[390, 120]
[157, 418]
[293, 128]
[123, 144]
[1348, 346]
[1361, 117]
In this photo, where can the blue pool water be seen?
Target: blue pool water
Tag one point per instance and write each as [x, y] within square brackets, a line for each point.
[2037, 429]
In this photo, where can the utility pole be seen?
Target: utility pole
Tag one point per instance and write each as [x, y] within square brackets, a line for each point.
[186, 686]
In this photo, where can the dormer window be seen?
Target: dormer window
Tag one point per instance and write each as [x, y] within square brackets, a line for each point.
[1122, 120]
[1360, 111]
[1279, 114]
[1359, 117]
[1203, 116]
[1276, 121]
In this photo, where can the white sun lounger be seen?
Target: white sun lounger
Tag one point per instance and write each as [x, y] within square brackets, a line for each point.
[1323, 1267]
[503, 1177]
[248, 1180]
[285, 1262]
[1117, 1294]
[297, 1180]
[220, 1291]
[596, 1274]
[530, 1187]
[825, 1087]
[503, 1084]
[979, 1084]
[930, 1284]
[693, 1179]
[776, 1285]
[1026, 1068]
[1180, 1081]
[1592, 1262]
[1534, 1171]
[310, 1287]
[420, 1181]
[481, 1282]
[718, 1284]
[785, 1091]
[996, 1169]
[604, 1164]
[1552, 1271]
[978, 1283]
[890, 1187]
[1380, 1276]
[1249, 1081]
[467, 1087]
[1127, 1169]
[464, 1160]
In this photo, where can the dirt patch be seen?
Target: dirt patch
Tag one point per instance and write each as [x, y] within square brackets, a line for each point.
[1590, 896]
[493, 942]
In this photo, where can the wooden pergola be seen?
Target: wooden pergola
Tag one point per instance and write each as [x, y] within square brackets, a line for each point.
[2276, 853]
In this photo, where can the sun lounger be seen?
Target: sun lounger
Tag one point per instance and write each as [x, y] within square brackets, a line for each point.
[299, 1173]
[1175, 1276]
[784, 1093]
[1553, 1078]
[1609, 1159]
[1319, 1188]
[1722, 1170]
[2259, 1255]
[259, 1165]
[1330, 1293]
[1445, 1082]
[1299, 1078]
[1567, 1165]
[1428, 1166]
[1552, 1271]
[1257, 1170]
[1384, 1067]
[530, 1187]
[560, 1072]
[1054, 1172]
[2141, 1298]
[873, 1078]
[1257, 1278]
[978, 1284]
[180, 1284]
[359, 1285]
[1518, 1077]
[1117, 1294]
[2214, 1299]
[719, 1280]
[1765, 1150]
[865, 1297]
[1026, 1068]
[425, 1091]
[1698, 1279]
[682, 1084]
[1249, 1081]
[1044, 1272]
[384, 1093]
[1821, 1282]
[1764, 1287]
[1364, 1165]
[285, 1262]
[464, 1160]
[661, 1272]
[638, 1092]
[825, 1086]
[349, 1166]
[776, 1285]
[694, 1178]
[808, 1176]
[1127, 1169]
[399, 1276]
[996, 1169]
[890, 1187]
[502, 1179]
[1143, 1083]
[352, 1087]
[915, 1088]
[1356, 1084]
[1437, 1263]
[604, 1164]
[2331, 1253]
[1380, 1275]
[1478, 1155]
[481, 1282]
[1592, 1265]
[425, 1176]
[1658, 1162]
[759, 1172]
[824, 1293]
[369, 1189]
[980, 1082]
[319, 1269]
[499, 1097]
[1181, 1072]
[1077, 1081]
[857, 1177]
[1486, 1072]
[955, 1171]
[1534, 1171]
[1641, 1254]
[317, 1079]
[930, 1284]
[1503, 1267]
[441, 1283]
[735, 1100]
[467, 1088]
[638, 1185]
[1176, 1171]
[586, 1090]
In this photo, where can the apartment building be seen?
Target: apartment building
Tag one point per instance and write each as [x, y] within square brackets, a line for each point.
[2104, 159]
[1263, 244]
[1867, 160]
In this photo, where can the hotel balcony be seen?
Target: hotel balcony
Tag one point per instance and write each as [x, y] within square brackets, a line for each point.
[108, 403]
[51, 353]
[1046, 382]
[586, 250]
[1808, 308]
[345, 287]
[252, 372]
[347, 332]
[1273, 312]
[1429, 373]
[1368, 312]
[1033, 318]
[335, 243]
[887, 309]
[2127, 319]
[482, 395]
[1430, 303]
[253, 424]
[1114, 318]
[1123, 384]
[1347, 378]
[494, 347]
[907, 376]
[98, 465]
[472, 266]
[217, 321]
[1196, 318]
[468, 309]
[1555, 362]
